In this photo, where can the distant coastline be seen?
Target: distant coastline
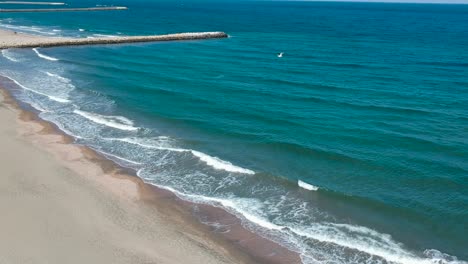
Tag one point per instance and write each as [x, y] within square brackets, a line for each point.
[29, 10]
[29, 3]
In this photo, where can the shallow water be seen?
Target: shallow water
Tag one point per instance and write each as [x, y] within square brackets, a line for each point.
[367, 108]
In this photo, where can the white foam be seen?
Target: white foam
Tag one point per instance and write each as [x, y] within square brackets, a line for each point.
[118, 157]
[7, 54]
[364, 240]
[104, 35]
[234, 205]
[307, 186]
[220, 164]
[54, 98]
[81, 30]
[228, 204]
[213, 162]
[37, 107]
[439, 257]
[44, 56]
[28, 29]
[60, 126]
[118, 122]
[346, 236]
[63, 79]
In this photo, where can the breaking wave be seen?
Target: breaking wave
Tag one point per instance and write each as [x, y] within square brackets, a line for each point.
[118, 122]
[307, 186]
[51, 97]
[7, 54]
[44, 56]
[213, 162]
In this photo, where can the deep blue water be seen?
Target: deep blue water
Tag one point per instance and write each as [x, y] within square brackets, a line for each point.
[368, 105]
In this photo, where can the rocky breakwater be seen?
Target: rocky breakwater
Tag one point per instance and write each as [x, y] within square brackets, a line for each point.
[35, 10]
[55, 42]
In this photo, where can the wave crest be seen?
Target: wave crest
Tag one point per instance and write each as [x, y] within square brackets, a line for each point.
[44, 56]
[211, 161]
[307, 186]
[54, 98]
[118, 122]
[7, 54]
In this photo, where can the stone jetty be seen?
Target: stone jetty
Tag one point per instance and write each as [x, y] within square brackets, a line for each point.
[17, 40]
[29, 3]
[29, 10]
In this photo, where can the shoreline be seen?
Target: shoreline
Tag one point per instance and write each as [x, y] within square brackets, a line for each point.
[233, 239]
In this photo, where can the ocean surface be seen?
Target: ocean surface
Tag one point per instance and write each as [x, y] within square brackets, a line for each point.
[350, 148]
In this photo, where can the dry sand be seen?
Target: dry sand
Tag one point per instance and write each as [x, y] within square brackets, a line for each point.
[10, 38]
[58, 206]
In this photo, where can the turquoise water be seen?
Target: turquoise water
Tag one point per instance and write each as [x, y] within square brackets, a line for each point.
[368, 108]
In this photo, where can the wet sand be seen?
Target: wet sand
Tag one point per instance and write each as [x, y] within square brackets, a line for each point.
[60, 199]
[97, 204]
[59, 206]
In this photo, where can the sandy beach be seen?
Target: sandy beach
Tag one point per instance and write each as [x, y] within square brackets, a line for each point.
[271, 132]
[8, 38]
[60, 207]
[62, 198]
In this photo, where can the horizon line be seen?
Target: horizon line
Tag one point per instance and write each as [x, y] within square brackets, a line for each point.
[440, 2]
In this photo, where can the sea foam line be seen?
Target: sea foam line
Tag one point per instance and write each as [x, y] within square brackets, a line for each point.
[213, 162]
[367, 240]
[54, 98]
[104, 35]
[44, 56]
[118, 122]
[63, 79]
[5, 54]
[27, 29]
[220, 164]
[117, 157]
[62, 128]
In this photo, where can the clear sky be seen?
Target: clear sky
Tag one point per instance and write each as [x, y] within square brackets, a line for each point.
[405, 1]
